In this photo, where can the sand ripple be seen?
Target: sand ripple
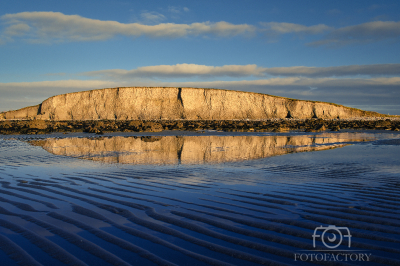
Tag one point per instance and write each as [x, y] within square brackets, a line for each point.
[58, 210]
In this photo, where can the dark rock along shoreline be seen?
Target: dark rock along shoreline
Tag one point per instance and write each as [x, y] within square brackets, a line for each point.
[273, 125]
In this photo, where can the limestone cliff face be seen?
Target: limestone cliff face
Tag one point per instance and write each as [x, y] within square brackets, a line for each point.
[192, 149]
[177, 103]
[24, 113]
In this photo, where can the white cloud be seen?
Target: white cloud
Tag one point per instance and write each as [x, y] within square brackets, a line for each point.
[177, 9]
[152, 17]
[174, 9]
[84, 84]
[299, 81]
[50, 27]
[17, 29]
[39, 87]
[362, 33]
[352, 70]
[194, 70]
[288, 81]
[45, 27]
[179, 70]
[285, 28]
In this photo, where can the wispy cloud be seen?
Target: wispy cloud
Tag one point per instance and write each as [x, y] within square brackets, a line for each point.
[151, 17]
[83, 84]
[362, 33]
[53, 27]
[287, 81]
[178, 71]
[277, 28]
[48, 27]
[177, 9]
[17, 29]
[299, 81]
[338, 71]
[194, 70]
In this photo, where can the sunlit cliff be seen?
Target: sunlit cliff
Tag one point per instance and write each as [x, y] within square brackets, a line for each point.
[139, 103]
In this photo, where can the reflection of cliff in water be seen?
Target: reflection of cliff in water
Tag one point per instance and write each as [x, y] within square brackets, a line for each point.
[192, 149]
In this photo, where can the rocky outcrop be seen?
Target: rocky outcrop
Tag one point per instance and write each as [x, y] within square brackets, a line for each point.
[30, 112]
[9, 127]
[192, 149]
[178, 103]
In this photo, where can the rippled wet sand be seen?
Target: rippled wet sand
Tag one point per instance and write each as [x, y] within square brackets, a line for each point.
[215, 199]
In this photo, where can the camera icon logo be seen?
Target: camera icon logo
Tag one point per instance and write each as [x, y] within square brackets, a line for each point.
[331, 236]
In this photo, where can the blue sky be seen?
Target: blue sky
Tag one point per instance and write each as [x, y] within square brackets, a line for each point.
[345, 52]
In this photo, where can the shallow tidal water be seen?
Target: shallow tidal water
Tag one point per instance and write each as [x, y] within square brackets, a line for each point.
[212, 198]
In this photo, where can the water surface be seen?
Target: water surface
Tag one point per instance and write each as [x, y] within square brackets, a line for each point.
[244, 199]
